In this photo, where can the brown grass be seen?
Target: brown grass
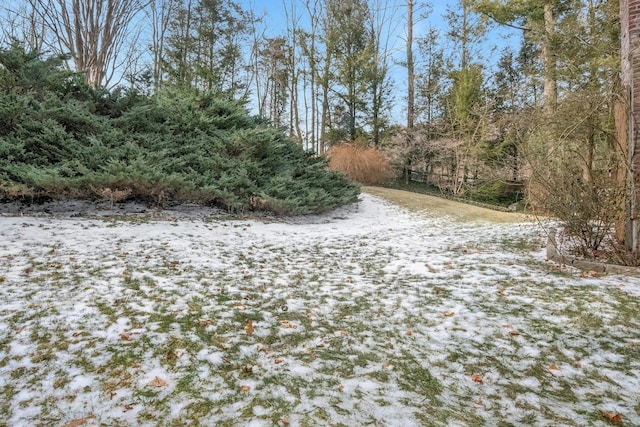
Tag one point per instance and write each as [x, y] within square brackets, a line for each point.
[364, 165]
[416, 202]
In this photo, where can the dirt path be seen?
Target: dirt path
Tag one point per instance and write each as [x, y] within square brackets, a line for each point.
[429, 204]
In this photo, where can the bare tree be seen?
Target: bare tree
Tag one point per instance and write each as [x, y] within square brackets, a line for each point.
[411, 76]
[20, 22]
[99, 34]
[159, 13]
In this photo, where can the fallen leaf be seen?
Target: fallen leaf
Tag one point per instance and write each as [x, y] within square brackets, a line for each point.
[408, 333]
[128, 336]
[614, 417]
[2, 279]
[477, 378]
[278, 361]
[158, 382]
[203, 322]
[76, 423]
[288, 325]
[514, 332]
[341, 388]
[248, 327]
[554, 367]
[285, 421]
[478, 401]
[173, 354]
[342, 332]
[245, 388]
[22, 328]
[449, 314]
[126, 407]
[633, 344]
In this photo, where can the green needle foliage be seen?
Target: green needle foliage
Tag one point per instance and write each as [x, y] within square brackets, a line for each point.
[60, 138]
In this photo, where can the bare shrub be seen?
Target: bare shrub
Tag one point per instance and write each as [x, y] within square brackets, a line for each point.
[113, 195]
[364, 165]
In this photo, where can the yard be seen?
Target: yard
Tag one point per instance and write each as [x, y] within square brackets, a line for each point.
[372, 314]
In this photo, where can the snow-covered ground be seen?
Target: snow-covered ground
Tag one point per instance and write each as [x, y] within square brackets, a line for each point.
[369, 315]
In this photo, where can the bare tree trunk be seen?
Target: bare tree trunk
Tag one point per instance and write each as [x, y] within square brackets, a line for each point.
[96, 32]
[411, 77]
[160, 14]
[550, 92]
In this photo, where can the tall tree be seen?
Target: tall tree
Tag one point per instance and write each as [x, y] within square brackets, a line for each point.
[159, 14]
[411, 76]
[538, 19]
[99, 34]
[204, 46]
[353, 55]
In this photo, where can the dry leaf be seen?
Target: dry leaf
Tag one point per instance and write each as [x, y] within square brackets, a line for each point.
[478, 401]
[206, 322]
[173, 354]
[76, 423]
[341, 388]
[614, 417]
[126, 407]
[245, 388]
[285, 421]
[449, 314]
[22, 328]
[514, 333]
[248, 327]
[633, 344]
[477, 378]
[554, 367]
[408, 333]
[158, 382]
[278, 361]
[288, 325]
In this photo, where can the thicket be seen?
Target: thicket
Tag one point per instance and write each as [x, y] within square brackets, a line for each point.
[60, 138]
[360, 163]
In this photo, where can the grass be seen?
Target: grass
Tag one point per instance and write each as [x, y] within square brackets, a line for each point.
[385, 322]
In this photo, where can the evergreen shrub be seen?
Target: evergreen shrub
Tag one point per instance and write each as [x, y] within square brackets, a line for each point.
[60, 138]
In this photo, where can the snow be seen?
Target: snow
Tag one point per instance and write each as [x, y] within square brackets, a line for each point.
[366, 315]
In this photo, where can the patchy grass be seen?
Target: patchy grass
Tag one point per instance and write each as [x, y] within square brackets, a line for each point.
[380, 317]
